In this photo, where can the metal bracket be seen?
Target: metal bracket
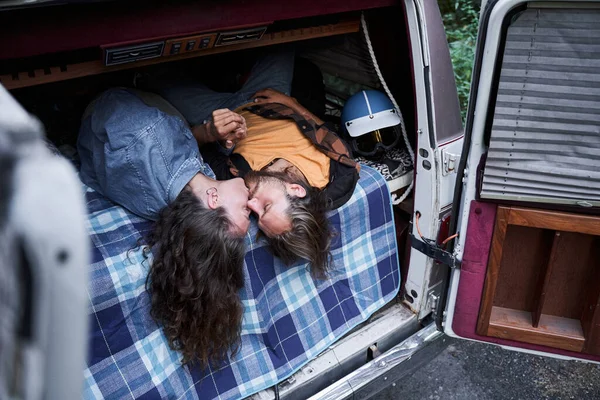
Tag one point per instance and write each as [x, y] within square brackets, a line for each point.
[432, 250]
[373, 352]
[449, 162]
[433, 301]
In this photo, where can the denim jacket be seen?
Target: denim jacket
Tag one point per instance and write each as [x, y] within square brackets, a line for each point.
[135, 154]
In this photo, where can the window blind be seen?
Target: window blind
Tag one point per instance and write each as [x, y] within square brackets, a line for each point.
[545, 138]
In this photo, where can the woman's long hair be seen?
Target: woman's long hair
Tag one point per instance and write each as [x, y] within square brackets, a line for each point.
[194, 280]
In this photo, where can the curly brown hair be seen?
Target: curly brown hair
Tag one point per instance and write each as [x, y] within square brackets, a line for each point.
[194, 280]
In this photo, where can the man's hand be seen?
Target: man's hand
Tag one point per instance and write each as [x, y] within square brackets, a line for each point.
[226, 127]
[273, 96]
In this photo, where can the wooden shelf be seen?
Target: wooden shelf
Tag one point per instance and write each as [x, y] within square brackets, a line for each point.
[543, 280]
[558, 332]
[555, 220]
[71, 71]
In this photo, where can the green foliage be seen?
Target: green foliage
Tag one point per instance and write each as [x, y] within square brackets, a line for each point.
[460, 21]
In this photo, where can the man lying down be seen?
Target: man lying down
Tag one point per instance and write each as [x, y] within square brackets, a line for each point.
[142, 152]
[288, 159]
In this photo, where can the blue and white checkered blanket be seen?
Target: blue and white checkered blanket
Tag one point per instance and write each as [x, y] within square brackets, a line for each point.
[289, 318]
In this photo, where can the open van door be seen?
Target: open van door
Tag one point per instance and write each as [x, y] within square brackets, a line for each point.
[527, 275]
[43, 306]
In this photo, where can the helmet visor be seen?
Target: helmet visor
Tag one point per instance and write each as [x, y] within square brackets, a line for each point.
[380, 140]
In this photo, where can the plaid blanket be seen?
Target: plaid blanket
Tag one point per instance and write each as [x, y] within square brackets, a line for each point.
[289, 318]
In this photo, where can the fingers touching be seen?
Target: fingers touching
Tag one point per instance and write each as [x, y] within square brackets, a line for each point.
[228, 126]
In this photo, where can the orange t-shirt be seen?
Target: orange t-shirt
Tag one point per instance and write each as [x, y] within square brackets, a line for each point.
[269, 139]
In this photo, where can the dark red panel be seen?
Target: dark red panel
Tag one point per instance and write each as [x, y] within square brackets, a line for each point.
[63, 28]
[472, 278]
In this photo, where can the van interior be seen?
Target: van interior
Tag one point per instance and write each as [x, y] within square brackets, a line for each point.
[57, 87]
[529, 276]
[332, 63]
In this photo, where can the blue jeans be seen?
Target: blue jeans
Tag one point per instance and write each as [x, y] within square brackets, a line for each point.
[197, 102]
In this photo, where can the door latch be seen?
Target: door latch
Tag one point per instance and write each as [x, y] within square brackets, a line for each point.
[431, 249]
[449, 163]
[433, 301]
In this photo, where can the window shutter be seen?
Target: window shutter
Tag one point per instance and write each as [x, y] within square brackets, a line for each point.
[545, 139]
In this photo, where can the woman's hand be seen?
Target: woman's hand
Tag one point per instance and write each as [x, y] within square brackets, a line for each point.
[226, 127]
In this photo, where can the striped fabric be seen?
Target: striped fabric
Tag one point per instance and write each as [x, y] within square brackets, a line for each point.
[289, 318]
[545, 138]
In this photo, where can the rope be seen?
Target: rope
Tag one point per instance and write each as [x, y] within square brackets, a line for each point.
[389, 93]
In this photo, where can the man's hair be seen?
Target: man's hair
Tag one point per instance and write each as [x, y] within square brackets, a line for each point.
[310, 236]
[194, 280]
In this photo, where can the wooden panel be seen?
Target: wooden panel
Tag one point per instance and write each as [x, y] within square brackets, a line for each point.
[493, 268]
[572, 274]
[545, 275]
[72, 71]
[590, 319]
[557, 332]
[525, 255]
[555, 220]
[543, 280]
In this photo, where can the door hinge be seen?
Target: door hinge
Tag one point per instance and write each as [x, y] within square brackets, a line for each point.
[449, 162]
[431, 249]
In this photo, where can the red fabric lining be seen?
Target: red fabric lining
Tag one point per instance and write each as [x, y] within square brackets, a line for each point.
[472, 278]
[63, 28]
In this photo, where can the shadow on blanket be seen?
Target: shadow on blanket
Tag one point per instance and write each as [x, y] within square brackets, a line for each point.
[289, 318]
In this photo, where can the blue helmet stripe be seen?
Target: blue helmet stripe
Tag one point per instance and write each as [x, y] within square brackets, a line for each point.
[365, 103]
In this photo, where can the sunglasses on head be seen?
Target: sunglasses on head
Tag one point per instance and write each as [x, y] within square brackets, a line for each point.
[376, 141]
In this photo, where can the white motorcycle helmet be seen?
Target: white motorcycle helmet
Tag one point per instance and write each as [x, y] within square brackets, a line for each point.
[372, 123]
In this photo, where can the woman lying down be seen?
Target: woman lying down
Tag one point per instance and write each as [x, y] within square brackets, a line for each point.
[142, 151]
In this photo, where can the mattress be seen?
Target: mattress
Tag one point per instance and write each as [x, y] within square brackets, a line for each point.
[289, 317]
